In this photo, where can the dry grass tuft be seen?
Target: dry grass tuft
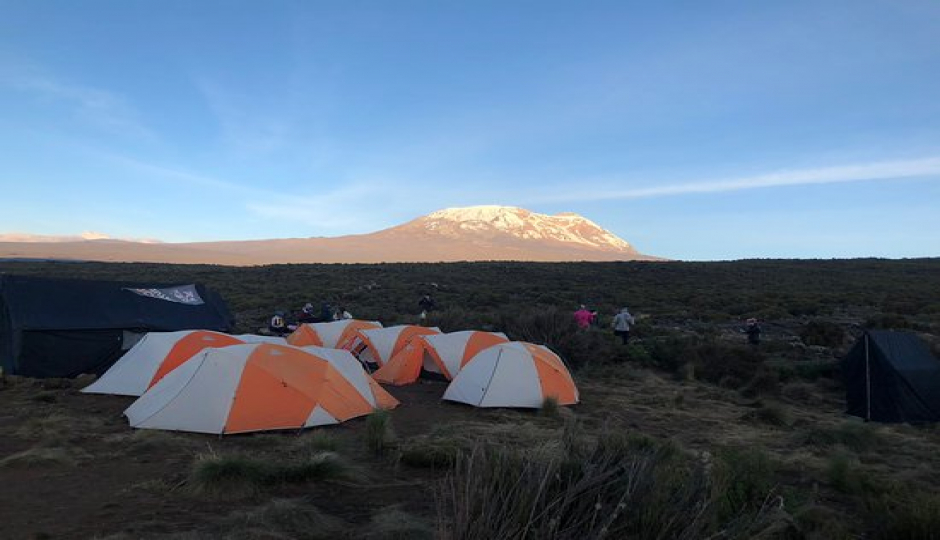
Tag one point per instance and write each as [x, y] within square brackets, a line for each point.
[283, 518]
[36, 458]
[393, 523]
[236, 476]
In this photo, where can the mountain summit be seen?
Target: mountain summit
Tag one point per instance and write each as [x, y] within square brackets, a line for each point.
[476, 233]
[493, 222]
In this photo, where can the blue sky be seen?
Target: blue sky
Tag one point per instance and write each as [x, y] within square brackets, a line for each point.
[694, 130]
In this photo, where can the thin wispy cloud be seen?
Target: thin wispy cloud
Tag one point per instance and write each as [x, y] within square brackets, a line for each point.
[884, 170]
[350, 207]
[101, 108]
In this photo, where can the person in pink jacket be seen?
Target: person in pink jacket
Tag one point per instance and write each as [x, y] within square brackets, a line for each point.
[583, 317]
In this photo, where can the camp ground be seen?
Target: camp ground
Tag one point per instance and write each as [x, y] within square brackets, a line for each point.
[241, 436]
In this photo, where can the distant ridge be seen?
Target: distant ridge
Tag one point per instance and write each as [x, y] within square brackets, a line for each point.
[476, 233]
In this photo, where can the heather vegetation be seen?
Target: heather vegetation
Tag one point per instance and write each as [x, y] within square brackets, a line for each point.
[687, 432]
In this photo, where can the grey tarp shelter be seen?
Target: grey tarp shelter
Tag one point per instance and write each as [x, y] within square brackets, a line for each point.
[66, 327]
[892, 377]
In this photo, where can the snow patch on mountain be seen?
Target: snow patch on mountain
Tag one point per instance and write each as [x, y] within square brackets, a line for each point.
[517, 222]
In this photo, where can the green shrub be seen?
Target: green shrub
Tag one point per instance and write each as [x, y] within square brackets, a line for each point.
[616, 489]
[550, 407]
[282, 518]
[903, 514]
[393, 523]
[379, 431]
[857, 436]
[822, 333]
[844, 474]
[773, 414]
[240, 475]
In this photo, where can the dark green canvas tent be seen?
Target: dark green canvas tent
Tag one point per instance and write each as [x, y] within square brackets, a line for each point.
[892, 377]
[66, 327]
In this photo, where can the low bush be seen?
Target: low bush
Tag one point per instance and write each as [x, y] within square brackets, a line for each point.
[240, 475]
[844, 474]
[615, 489]
[903, 514]
[379, 431]
[856, 436]
[283, 518]
[822, 333]
[393, 523]
[773, 414]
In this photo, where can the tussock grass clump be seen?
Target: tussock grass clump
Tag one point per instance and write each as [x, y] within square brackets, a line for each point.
[615, 489]
[550, 407]
[317, 440]
[36, 458]
[857, 436]
[822, 333]
[771, 413]
[905, 515]
[842, 471]
[431, 452]
[284, 518]
[393, 523]
[146, 440]
[213, 474]
[379, 432]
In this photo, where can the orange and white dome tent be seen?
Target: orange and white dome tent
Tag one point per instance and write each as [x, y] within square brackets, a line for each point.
[158, 353]
[514, 374]
[352, 369]
[254, 387]
[443, 354]
[455, 349]
[379, 345]
[335, 335]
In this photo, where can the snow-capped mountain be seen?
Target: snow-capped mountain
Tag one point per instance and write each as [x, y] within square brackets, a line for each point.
[518, 223]
[477, 233]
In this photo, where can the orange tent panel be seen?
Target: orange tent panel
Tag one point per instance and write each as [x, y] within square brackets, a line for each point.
[187, 347]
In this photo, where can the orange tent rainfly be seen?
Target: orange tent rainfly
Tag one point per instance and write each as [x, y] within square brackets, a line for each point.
[257, 387]
[440, 354]
[455, 349]
[159, 353]
[514, 374]
[379, 345]
[335, 335]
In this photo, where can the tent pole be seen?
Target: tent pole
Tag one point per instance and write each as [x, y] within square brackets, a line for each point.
[867, 382]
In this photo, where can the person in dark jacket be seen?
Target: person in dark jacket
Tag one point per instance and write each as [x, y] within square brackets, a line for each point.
[326, 312]
[307, 314]
[426, 303]
[278, 324]
[753, 330]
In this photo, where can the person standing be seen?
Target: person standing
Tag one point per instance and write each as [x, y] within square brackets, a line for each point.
[753, 330]
[426, 303]
[583, 317]
[622, 323]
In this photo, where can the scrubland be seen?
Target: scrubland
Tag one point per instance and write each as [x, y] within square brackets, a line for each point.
[685, 433]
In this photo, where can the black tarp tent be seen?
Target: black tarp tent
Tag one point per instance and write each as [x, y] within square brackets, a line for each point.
[892, 377]
[66, 327]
